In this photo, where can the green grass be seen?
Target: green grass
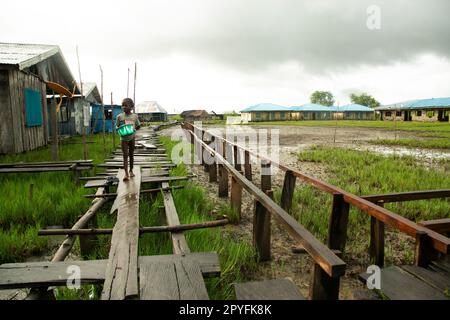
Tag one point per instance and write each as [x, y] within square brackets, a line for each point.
[414, 143]
[55, 199]
[389, 125]
[364, 173]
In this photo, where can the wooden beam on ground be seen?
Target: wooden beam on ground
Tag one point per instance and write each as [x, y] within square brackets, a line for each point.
[179, 242]
[108, 195]
[121, 277]
[142, 230]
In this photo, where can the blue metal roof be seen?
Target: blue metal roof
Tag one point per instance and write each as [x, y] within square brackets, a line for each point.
[311, 107]
[265, 107]
[418, 104]
[352, 108]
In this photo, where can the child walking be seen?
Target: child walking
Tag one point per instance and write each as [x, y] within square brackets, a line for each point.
[128, 141]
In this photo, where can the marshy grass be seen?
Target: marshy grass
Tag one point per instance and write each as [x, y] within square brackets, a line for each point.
[365, 173]
[53, 199]
[442, 143]
[432, 127]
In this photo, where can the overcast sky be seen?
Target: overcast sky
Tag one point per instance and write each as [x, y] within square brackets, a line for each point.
[229, 54]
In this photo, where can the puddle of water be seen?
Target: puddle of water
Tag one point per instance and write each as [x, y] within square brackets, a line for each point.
[416, 153]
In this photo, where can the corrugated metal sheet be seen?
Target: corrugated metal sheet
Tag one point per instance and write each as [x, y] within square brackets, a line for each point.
[311, 107]
[418, 104]
[25, 55]
[149, 107]
[265, 107]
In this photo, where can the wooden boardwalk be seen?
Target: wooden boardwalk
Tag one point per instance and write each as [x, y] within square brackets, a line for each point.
[126, 275]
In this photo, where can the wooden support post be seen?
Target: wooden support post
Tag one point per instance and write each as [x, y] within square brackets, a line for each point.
[323, 286]
[247, 165]
[237, 158]
[213, 172]
[337, 230]
[236, 197]
[266, 181]
[206, 157]
[288, 191]
[54, 127]
[75, 173]
[425, 252]
[377, 240]
[261, 231]
[223, 175]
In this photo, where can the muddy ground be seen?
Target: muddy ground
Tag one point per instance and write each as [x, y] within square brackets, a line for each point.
[293, 139]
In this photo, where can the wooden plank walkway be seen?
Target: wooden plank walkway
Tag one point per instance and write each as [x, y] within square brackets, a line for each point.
[275, 289]
[412, 283]
[46, 273]
[121, 279]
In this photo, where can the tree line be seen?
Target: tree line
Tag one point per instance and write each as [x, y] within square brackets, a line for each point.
[326, 98]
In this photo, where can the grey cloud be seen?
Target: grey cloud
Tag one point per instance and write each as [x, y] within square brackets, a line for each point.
[322, 36]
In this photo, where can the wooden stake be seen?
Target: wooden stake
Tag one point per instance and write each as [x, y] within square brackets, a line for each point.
[82, 99]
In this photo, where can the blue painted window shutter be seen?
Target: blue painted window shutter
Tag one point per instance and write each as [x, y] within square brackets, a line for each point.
[33, 108]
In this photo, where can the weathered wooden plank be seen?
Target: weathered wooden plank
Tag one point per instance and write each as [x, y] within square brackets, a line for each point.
[337, 230]
[37, 274]
[179, 242]
[236, 197]
[190, 281]
[434, 279]
[178, 279]
[287, 192]
[208, 261]
[15, 112]
[276, 289]
[408, 196]
[121, 279]
[398, 284]
[158, 281]
[120, 165]
[39, 169]
[439, 225]
[6, 129]
[261, 231]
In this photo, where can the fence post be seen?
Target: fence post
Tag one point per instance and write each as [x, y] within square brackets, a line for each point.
[323, 286]
[213, 166]
[237, 158]
[266, 181]
[288, 191]
[425, 252]
[261, 231]
[247, 165]
[377, 239]
[236, 197]
[223, 174]
[337, 229]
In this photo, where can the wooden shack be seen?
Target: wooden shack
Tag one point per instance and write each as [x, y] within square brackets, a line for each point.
[24, 71]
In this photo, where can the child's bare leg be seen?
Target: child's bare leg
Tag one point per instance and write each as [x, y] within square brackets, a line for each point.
[125, 160]
[131, 152]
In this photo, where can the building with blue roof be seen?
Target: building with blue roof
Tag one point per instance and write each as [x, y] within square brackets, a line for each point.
[353, 112]
[311, 111]
[426, 110]
[266, 112]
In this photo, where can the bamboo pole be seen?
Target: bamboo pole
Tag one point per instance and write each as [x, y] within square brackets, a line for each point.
[103, 111]
[82, 100]
[134, 88]
[113, 127]
[177, 228]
